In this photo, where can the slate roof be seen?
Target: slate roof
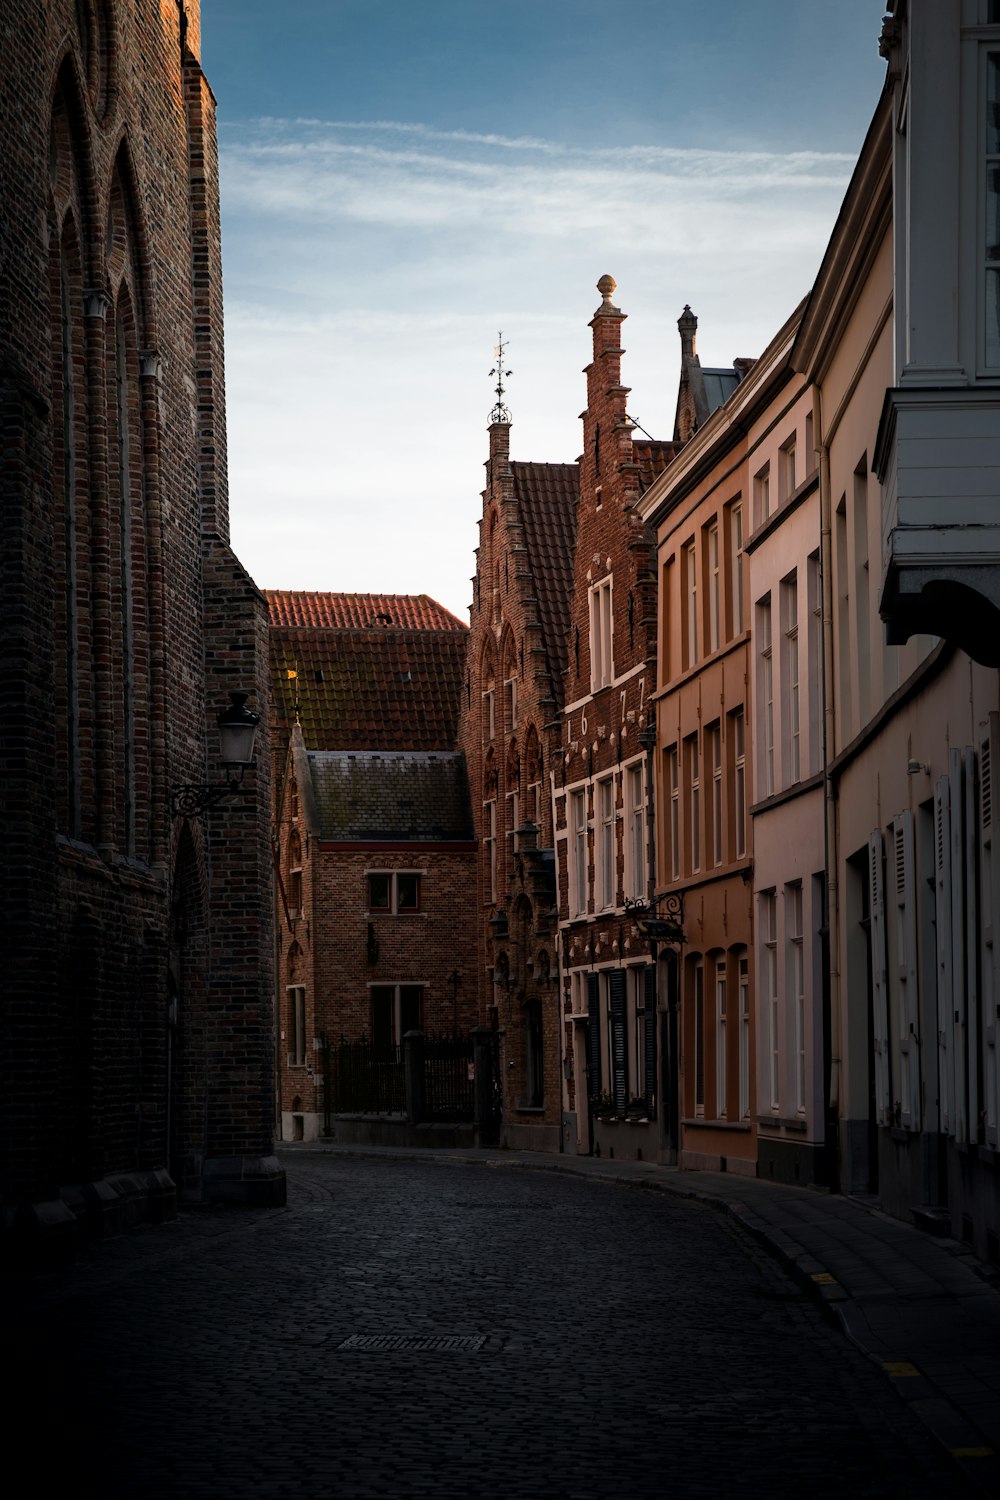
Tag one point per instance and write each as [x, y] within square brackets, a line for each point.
[547, 496]
[391, 798]
[294, 607]
[371, 687]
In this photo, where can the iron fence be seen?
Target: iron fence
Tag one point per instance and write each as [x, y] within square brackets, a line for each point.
[361, 1078]
[449, 1078]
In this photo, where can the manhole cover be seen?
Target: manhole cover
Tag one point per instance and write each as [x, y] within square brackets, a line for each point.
[423, 1343]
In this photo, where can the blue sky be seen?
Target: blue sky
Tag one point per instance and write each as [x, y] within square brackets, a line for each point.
[400, 180]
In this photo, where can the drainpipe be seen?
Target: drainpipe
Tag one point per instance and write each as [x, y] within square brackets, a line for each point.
[831, 886]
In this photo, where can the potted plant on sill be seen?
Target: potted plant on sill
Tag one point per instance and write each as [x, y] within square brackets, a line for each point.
[605, 1107]
[636, 1109]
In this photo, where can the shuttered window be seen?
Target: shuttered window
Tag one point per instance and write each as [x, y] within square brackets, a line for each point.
[880, 1025]
[907, 1013]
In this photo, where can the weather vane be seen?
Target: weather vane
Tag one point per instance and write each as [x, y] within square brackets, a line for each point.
[500, 412]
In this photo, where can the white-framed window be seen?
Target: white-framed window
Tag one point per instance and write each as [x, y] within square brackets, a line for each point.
[762, 495]
[602, 668]
[606, 843]
[691, 604]
[692, 772]
[513, 816]
[736, 568]
[743, 984]
[796, 987]
[395, 1010]
[790, 622]
[489, 716]
[766, 677]
[578, 864]
[673, 770]
[295, 908]
[699, 1037]
[510, 704]
[296, 1025]
[394, 892]
[814, 666]
[720, 1038]
[738, 728]
[713, 740]
[769, 991]
[635, 830]
[714, 586]
[991, 212]
[788, 471]
[534, 808]
[490, 848]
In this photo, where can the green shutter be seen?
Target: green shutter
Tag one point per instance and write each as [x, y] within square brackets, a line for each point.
[594, 1034]
[619, 1056]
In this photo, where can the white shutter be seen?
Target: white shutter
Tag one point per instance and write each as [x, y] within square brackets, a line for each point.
[942, 925]
[958, 991]
[989, 756]
[905, 986]
[879, 1001]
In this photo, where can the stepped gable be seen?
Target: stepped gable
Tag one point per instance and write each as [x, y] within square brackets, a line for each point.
[311, 610]
[547, 497]
[362, 683]
[391, 798]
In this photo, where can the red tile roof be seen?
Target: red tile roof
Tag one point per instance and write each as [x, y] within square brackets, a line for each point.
[547, 496]
[380, 687]
[652, 456]
[291, 607]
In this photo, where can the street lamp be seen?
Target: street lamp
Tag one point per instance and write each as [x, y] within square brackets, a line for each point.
[237, 734]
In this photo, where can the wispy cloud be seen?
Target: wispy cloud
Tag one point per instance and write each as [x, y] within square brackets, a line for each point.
[368, 266]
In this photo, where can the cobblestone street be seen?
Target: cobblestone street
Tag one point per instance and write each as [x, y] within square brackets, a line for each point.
[620, 1342]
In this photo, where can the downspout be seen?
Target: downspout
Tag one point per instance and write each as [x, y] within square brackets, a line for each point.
[831, 885]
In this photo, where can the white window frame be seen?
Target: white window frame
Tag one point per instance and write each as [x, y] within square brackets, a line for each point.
[489, 716]
[743, 986]
[296, 1025]
[714, 747]
[766, 696]
[769, 992]
[762, 494]
[674, 790]
[606, 862]
[602, 668]
[720, 1037]
[513, 799]
[736, 565]
[635, 830]
[738, 720]
[790, 609]
[693, 769]
[393, 909]
[510, 703]
[490, 846]
[795, 986]
[714, 586]
[578, 856]
[787, 482]
[691, 602]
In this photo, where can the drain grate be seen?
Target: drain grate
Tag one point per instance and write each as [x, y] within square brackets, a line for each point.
[423, 1343]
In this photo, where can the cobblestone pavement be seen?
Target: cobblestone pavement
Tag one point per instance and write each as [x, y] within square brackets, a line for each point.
[622, 1342]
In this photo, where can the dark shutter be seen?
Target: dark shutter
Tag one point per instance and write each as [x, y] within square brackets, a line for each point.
[619, 1063]
[594, 1034]
[649, 1037]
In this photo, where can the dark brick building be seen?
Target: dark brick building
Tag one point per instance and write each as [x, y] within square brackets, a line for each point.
[136, 1018]
[602, 791]
[510, 734]
[374, 842]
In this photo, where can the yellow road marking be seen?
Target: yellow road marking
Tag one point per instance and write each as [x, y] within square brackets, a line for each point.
[900, 1369]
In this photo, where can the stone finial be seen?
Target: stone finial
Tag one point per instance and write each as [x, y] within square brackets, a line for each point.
[606, 287]
[687, 325]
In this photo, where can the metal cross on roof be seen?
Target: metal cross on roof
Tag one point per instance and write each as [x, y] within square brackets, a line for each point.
[500, 412]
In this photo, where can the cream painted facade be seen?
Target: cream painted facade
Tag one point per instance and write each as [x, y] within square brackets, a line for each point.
[792, 1043]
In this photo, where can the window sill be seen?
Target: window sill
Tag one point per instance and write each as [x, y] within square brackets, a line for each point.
[742, 1127]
